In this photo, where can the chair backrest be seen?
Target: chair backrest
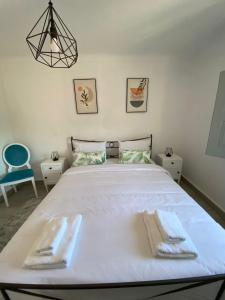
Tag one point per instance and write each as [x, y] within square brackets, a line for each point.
[16, 155]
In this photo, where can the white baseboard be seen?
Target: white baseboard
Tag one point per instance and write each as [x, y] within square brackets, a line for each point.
[204, 194]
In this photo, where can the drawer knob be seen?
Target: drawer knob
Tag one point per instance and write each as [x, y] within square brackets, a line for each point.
[46, 177]
[172, 162]
[50, 168]
[178, 172]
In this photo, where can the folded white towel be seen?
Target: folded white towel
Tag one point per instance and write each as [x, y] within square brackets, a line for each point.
[51, 236]
[170, 226]
[160, 248]
[63, 256]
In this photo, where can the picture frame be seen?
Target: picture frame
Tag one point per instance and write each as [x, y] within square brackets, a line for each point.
[85, 93]
[137, 95]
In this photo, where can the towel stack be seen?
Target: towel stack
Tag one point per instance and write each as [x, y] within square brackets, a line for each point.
[167, 236]
[54, 247]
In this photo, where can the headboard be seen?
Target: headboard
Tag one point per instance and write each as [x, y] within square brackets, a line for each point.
[112, 147]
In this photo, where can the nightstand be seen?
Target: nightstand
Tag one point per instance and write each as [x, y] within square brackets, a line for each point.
[172, 164]
[52, 170]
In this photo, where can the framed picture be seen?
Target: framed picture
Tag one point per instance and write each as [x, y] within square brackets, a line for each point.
[137, 95]
[85, 96]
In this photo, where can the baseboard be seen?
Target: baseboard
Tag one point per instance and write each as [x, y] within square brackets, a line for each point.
[211, 202]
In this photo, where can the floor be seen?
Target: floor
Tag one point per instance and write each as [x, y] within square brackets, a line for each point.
[203, 202]
[25, 192]
[17, 200]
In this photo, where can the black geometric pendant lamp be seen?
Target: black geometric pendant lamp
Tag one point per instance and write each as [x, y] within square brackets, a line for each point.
[51, 42]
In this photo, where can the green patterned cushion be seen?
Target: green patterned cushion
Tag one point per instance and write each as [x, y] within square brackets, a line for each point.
[135, 157]
[89, 158]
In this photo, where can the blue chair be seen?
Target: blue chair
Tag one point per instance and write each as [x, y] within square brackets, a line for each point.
[16, 155]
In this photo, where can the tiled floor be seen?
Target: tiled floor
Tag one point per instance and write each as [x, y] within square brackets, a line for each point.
[25, 192]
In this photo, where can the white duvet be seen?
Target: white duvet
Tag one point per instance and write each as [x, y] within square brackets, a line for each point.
[113, 245]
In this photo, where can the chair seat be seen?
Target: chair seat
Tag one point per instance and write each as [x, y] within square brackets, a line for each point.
[17, 175]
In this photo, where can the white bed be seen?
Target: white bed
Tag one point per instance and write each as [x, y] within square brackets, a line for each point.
[113, 245]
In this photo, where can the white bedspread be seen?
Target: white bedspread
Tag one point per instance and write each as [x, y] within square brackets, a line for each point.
[112, 245]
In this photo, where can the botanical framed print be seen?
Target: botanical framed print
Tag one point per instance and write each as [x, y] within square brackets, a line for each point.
[85, 96]
[137, 95]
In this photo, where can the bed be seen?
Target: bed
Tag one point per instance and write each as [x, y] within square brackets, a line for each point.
[113, 259]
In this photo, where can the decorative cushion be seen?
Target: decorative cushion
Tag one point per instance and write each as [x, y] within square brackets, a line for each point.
[135, 157]
[82, 146]
[17, 175]
[89, 158]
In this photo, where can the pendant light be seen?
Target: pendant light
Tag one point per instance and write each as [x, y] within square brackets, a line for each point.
[51, 42]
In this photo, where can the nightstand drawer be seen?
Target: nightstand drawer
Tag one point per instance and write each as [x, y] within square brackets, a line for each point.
[51, 168]
[175, 173]
[52, 172]
[52, 178]
[173, 164]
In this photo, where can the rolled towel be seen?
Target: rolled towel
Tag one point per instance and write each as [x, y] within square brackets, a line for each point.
[63, 256]
[162, 249]
[51, 236]
[170, 226]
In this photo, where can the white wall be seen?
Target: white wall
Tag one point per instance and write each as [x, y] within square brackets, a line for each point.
[42, 109]
[5, 127]
[199, 82]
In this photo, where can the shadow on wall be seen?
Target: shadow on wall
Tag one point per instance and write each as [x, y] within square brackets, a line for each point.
[216, 141]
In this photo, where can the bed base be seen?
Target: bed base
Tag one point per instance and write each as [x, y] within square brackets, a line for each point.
[190, 283]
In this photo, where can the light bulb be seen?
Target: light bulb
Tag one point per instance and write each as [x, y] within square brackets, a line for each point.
[54, 45]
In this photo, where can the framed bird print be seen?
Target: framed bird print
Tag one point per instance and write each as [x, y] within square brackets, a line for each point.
[85, 96]
[137, 95]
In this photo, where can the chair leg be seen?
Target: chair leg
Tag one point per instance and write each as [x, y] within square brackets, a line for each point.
[34, 186]
[15, 189]
[4, 195]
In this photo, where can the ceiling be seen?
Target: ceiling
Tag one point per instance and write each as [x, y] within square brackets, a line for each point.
[119, 26]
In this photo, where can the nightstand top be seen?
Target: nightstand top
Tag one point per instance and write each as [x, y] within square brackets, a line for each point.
[55, 162]
[164, 157]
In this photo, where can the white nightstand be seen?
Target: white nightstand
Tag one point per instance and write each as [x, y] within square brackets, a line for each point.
[52, 170]
[172, 164]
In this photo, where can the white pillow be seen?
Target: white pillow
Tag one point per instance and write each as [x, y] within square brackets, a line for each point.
[89, 146]
[142, 144]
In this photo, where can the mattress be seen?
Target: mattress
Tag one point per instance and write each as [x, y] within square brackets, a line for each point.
[113, 246]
